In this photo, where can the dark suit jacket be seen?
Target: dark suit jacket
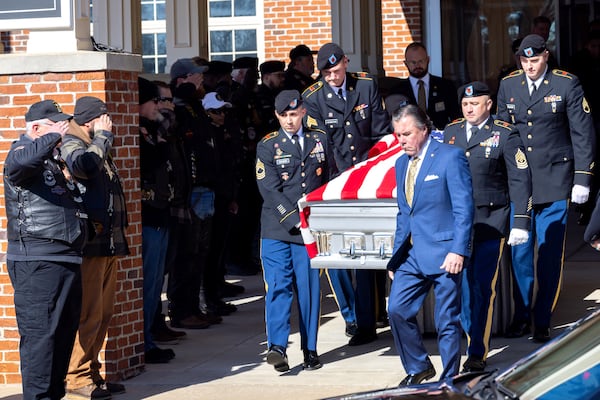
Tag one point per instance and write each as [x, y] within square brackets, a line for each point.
[556, 128]
[441, 217]
[283, 176]
[500, 175]
[442, 105]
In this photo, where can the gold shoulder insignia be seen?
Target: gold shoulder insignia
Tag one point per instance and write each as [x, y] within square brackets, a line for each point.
[312, 88]
[456, 121]
[503, 124]
[585, 105]
[521, 160]
[270, 136]
[260, 169]
[311, 122]
[362, 75]
[561, 73]
[513, 74]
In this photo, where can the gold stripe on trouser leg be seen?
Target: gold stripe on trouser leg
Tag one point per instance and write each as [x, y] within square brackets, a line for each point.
[562, 265]
[490, 314]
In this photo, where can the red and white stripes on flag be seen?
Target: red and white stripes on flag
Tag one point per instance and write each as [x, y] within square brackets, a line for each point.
[371, 179]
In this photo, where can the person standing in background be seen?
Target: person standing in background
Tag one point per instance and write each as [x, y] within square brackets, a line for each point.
[87, 153]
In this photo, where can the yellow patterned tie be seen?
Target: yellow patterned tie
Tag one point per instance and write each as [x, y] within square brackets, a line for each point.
[410, 180]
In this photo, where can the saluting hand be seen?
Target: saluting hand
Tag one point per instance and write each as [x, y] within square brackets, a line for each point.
[103, 123]
[61, 127]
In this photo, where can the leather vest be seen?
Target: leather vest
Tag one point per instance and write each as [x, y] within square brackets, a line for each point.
[49, 207]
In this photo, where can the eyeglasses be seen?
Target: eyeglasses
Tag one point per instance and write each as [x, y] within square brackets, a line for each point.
[159, 99]
[414, 63]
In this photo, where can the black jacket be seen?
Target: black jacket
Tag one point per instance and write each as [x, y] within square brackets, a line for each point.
[45, 213]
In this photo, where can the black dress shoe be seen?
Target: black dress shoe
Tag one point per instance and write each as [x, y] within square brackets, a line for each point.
[351, 329]
[517, 330]
[158, 356]
[415, 379]
[361, 338]
[311, 360]
[474, 364]
[277, 358]
[541, 335]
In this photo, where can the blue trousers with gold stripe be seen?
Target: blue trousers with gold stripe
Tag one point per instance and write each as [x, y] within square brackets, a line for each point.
[548, 229]
[478, 295]
[286, 269]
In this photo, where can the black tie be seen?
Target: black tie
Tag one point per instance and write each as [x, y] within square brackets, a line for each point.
[533, 90]
[474, 131]
[296, 140]
[340, 94]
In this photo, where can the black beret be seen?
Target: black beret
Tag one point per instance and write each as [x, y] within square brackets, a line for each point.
[269, 67]
[46, 109]
[88, 108]
[148, 90]
[532, 45]
[301, 50]
[473, 89]
[218, 67]
[329, 56]
[287, 100]
[245, 62]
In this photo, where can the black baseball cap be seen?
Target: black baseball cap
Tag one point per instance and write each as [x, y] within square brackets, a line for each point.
[46, 109]
[287, 100]
[531, 46]
[88, 108]
[329, 55]
[473, 89]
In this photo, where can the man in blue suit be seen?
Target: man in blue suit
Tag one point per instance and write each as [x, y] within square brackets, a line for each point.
[432, 242]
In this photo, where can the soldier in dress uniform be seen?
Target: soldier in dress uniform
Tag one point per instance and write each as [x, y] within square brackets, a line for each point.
[290, 163]
[500, 176]
[298, 75]
[348, 107]
[553, 118]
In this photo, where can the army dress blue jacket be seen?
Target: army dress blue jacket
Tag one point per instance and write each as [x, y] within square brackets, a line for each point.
[283, 176]
[556, 128]
[500, 175]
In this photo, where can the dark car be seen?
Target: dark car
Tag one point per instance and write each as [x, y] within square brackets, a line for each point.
[566, 368]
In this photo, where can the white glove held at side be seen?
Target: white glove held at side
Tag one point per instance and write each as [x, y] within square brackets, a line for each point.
[580, 194]
[517, 236]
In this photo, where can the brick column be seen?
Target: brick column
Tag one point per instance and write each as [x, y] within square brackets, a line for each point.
[24, 79]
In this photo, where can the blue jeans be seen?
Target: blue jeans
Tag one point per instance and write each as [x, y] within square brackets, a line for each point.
[154, 252]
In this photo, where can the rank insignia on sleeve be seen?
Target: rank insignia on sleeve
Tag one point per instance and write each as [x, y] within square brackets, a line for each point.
[521, 160]
[311, 122]
[586, 106]
[260, 170]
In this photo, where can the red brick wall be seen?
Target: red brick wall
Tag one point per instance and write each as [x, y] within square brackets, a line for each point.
[401, 25]
[124, 346]
[14, 41]
[289, 23]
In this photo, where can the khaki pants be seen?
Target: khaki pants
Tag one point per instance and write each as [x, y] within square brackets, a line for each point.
[98, 278]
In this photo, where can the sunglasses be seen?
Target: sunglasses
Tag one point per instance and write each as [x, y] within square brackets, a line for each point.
[159, 99]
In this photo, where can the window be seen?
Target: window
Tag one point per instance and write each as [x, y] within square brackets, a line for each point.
[235, 27]
[154, 43]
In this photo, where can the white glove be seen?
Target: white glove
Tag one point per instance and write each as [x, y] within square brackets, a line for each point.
[580, 194]
[517, 236]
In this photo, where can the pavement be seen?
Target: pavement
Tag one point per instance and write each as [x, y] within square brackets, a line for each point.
[226, 361]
